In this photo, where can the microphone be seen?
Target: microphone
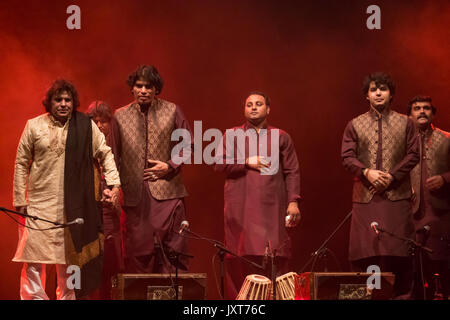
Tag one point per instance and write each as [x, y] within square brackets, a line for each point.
[424, 230]
[76, 221]
[183, 226]
[374, 226]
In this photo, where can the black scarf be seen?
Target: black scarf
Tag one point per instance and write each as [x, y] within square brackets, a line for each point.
[79, 202]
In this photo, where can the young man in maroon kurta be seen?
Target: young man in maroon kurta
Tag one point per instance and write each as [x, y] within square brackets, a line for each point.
[379, 148]
[259, 203]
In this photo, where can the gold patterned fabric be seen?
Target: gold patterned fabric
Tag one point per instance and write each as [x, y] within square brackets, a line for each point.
[39, 185]
[393, 135]
[140, 141]
[435, 151]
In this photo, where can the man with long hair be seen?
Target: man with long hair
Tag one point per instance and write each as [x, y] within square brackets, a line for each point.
[101, 113]
[54, 180]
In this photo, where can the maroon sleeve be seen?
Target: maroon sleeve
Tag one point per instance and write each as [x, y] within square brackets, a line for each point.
[403, 168]
[180, 123]
[349, 151]
[446, 175]
[291, 169]
[230, 170]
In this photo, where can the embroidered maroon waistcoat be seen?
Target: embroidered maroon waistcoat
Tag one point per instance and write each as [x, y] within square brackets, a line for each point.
[435, 151]
[394, 150]
[139, 142]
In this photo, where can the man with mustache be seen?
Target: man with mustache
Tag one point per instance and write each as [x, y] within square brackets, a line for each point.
[430, 181]
[153, 189]
[261, 194]
[54, 180]
[379, 148]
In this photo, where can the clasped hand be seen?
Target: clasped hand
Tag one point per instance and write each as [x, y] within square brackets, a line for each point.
[378, 179]
[111, 196]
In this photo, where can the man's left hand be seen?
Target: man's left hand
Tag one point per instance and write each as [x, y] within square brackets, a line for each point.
[293, 215]
[434, 183]
[158, 170]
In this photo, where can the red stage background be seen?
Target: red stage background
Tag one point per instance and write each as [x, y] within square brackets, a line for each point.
[309, 56]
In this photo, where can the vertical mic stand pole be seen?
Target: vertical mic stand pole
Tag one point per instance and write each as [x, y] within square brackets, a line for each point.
[274, 274]
[176, 275]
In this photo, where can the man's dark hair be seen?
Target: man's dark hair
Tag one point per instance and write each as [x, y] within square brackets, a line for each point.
[380, 78]
[99, 109]
[259, 93]
[58, 87]
[421, 98]
[149, 74]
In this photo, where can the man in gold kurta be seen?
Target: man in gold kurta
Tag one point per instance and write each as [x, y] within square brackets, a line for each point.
[39, 189]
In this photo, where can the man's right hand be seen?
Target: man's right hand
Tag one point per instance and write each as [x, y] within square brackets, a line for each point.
[257, 163]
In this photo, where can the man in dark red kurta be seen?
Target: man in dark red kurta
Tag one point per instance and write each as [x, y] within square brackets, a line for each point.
[100, 112]
[430, 181]
[261, 194]
[153, 191]
[379, 148]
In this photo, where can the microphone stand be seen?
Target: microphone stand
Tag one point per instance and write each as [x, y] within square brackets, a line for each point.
[321, 252]
[414, 244]
[174, 256]
[171, 256]
[25, 215]
[415, 247]
[222, 250]
[274, 274]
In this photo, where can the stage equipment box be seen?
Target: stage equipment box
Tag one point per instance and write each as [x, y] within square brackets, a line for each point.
[342, 286]
[158, 286]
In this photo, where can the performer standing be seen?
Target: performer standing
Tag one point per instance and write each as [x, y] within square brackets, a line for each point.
[259, 194]
[54, 180]
[430, 181]
[379, 148]
[100, 112]
[152, 186]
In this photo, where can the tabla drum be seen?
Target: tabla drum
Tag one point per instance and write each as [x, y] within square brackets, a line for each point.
[255, 287]
[285, 286]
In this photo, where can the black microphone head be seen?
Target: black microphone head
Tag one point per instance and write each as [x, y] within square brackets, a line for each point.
[374, 224]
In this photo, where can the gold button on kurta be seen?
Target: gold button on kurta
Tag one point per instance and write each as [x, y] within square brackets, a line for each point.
[39, 185]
